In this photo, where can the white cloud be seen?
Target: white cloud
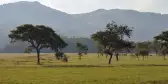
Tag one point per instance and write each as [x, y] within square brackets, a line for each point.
[78, 6]
[4, 1]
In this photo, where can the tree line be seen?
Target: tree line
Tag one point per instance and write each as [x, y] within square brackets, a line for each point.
[112, 41]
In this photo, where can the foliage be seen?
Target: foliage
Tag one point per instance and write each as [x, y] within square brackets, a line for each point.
[65, 58]
[162, 38]
[112, 38]
[59, 55]
[39, 36]
[81, 48]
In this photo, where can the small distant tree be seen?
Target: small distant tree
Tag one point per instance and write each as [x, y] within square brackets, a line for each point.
[85, 49]
[65, 58]
[59, 55]
[39, 36]
[81, 49]
[112, 39]
[28, 50]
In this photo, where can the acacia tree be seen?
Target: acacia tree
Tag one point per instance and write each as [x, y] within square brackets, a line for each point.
[112, 39]
[39, 36]
[81, 49]
[163, 39]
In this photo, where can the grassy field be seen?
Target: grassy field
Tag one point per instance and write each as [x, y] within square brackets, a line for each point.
[22, 69]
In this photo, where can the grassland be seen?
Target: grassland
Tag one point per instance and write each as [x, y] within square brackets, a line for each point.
[22, 69]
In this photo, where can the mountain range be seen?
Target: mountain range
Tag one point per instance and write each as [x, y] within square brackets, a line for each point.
[145, 24]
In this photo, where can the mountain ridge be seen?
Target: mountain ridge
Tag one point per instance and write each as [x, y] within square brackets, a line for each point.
[146, 24]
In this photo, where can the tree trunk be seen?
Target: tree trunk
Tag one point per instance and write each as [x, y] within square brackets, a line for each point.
[126, 54]
[156, 52]
[106, 55]
[38, 56]
[164, 57]
[117, 58]
[98, 54]
[138, 57]
[111, 55]
[80, 57]
[102, 54]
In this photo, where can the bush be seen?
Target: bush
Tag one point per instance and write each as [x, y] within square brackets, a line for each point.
[65, 58]
[59, 55]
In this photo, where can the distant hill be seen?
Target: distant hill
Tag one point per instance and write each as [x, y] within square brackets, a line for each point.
[35, 13]
[146, 25]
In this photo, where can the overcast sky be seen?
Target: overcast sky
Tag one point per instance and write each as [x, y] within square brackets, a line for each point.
[81, 6]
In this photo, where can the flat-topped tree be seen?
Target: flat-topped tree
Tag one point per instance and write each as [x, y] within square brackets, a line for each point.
[39, 36]
[112, 39]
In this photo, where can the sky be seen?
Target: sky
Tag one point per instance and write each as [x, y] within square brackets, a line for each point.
[82, 6]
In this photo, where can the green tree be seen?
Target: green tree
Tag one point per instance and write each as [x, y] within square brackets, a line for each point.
[163, 39]
[81, 49]
[39, 36]
[112, 39]
[59, 55]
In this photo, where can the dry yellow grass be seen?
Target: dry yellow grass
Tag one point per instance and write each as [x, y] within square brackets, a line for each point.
[22, 69]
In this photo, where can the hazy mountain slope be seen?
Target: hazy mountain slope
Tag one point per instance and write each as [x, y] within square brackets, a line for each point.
[35, 13]
[71, 48]
[146, 25]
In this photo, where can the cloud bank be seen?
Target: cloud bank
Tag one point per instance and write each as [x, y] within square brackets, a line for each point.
[81, 6]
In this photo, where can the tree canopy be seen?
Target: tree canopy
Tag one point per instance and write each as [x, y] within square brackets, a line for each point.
[39, 36]
[113, 38]
[163, 39]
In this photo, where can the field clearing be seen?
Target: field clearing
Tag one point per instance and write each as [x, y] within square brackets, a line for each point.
[22, 69]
